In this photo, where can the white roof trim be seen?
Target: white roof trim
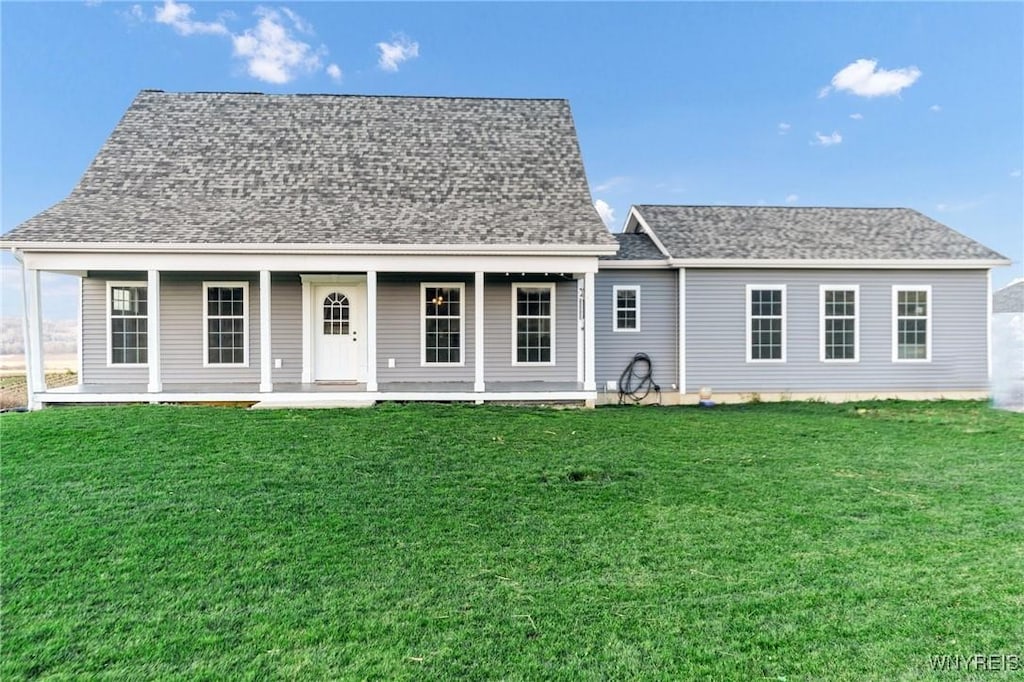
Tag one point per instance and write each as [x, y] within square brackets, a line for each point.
[634, 265]
[646, 229]
[374, 249]
[862, 264]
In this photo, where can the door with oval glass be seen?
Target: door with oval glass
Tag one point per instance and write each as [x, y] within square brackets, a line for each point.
[339, 352]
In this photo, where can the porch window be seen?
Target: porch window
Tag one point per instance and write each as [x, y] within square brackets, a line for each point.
[226, 322]
[443, 317]
[336, 314]
[626, 312]
[766, 323]
[533, 309]
[839, 324]
[912, 338]
[128, 323]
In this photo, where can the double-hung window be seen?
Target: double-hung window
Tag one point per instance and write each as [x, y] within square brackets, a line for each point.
[443, 317]
[128, 325]
[533, 324]
[226, 323]
[766, 323]
[911, 324]
[839, 326]
[626, 308]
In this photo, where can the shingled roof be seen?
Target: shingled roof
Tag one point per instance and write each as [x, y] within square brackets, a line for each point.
[238, 168]
[798, 233]
[1009, 299]
[635, 246]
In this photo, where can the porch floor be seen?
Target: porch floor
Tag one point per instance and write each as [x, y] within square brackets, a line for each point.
[299, 393]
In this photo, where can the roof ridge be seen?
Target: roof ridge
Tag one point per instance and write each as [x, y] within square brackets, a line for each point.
[353, 95]
[845, 208]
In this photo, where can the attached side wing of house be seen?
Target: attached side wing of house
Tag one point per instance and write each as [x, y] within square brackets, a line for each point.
[295, 249]
[786, 302]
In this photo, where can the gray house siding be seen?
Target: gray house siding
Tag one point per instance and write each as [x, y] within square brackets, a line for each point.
[716, 332]
[659, 331]
[94, 334]
[498, 342]
[399, 329]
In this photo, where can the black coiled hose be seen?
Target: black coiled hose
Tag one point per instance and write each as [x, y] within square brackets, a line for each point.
[636, 380]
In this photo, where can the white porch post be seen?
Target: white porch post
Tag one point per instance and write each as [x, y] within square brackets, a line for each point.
[682, 330]
[153, 331]
[478, 333]
[371, 330]
[589, 383]
[33, 329]
[581, 349]
[266, 351]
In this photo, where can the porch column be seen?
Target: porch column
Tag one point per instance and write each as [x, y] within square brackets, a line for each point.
[153, 331]
[682, 330]
[478, 333]
[266, 351]
[33, 330]
[589, 383]
[581, 349]
[371, 330]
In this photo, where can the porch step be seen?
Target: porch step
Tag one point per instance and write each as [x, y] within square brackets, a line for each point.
[311, 403]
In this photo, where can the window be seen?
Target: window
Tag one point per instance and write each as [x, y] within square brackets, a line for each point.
[336, 311]
[766, 323]
[912, 338]
[626, 309]
[839, 326]
[533, 310]
[128, 325]
[225, 319]
[442, 324]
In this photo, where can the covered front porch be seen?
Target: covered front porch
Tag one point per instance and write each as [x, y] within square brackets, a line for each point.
[321, 394]
[326, 333]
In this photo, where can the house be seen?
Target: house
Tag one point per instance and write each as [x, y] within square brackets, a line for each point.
[1008, 346]
[323, 249]
[787, 302]
[339, 250]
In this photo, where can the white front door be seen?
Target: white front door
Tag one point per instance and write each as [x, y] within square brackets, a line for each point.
[339, 351]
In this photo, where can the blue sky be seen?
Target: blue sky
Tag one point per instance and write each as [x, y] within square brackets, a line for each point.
[918, 105]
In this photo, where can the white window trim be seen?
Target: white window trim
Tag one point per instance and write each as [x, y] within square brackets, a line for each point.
[615, 307]
[896, 289]
[245, 324]
[855, 288]
[138, 283]
[750, 309]
[516, 286]
[461, 286]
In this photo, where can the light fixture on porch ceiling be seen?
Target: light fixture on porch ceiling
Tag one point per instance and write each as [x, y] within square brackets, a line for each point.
[437, 300]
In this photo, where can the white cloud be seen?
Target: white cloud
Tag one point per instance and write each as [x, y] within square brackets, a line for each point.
[394, 53]
[179, 17]
[1015, 173]
[823, 92]
[857, 117]
[271, 53]
[784, 128]
[828, 140]
[611, 183]
[606, 212]
[865, 79]
[792, 198]
[935, 107]
[334, 71]
[966, 205]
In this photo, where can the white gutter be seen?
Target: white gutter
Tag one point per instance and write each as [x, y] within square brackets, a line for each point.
[317, 248]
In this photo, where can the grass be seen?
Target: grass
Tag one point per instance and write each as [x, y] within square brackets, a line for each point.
[776, 541]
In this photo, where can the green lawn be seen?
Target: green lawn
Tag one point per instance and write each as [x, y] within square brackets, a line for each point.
[779, 542]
